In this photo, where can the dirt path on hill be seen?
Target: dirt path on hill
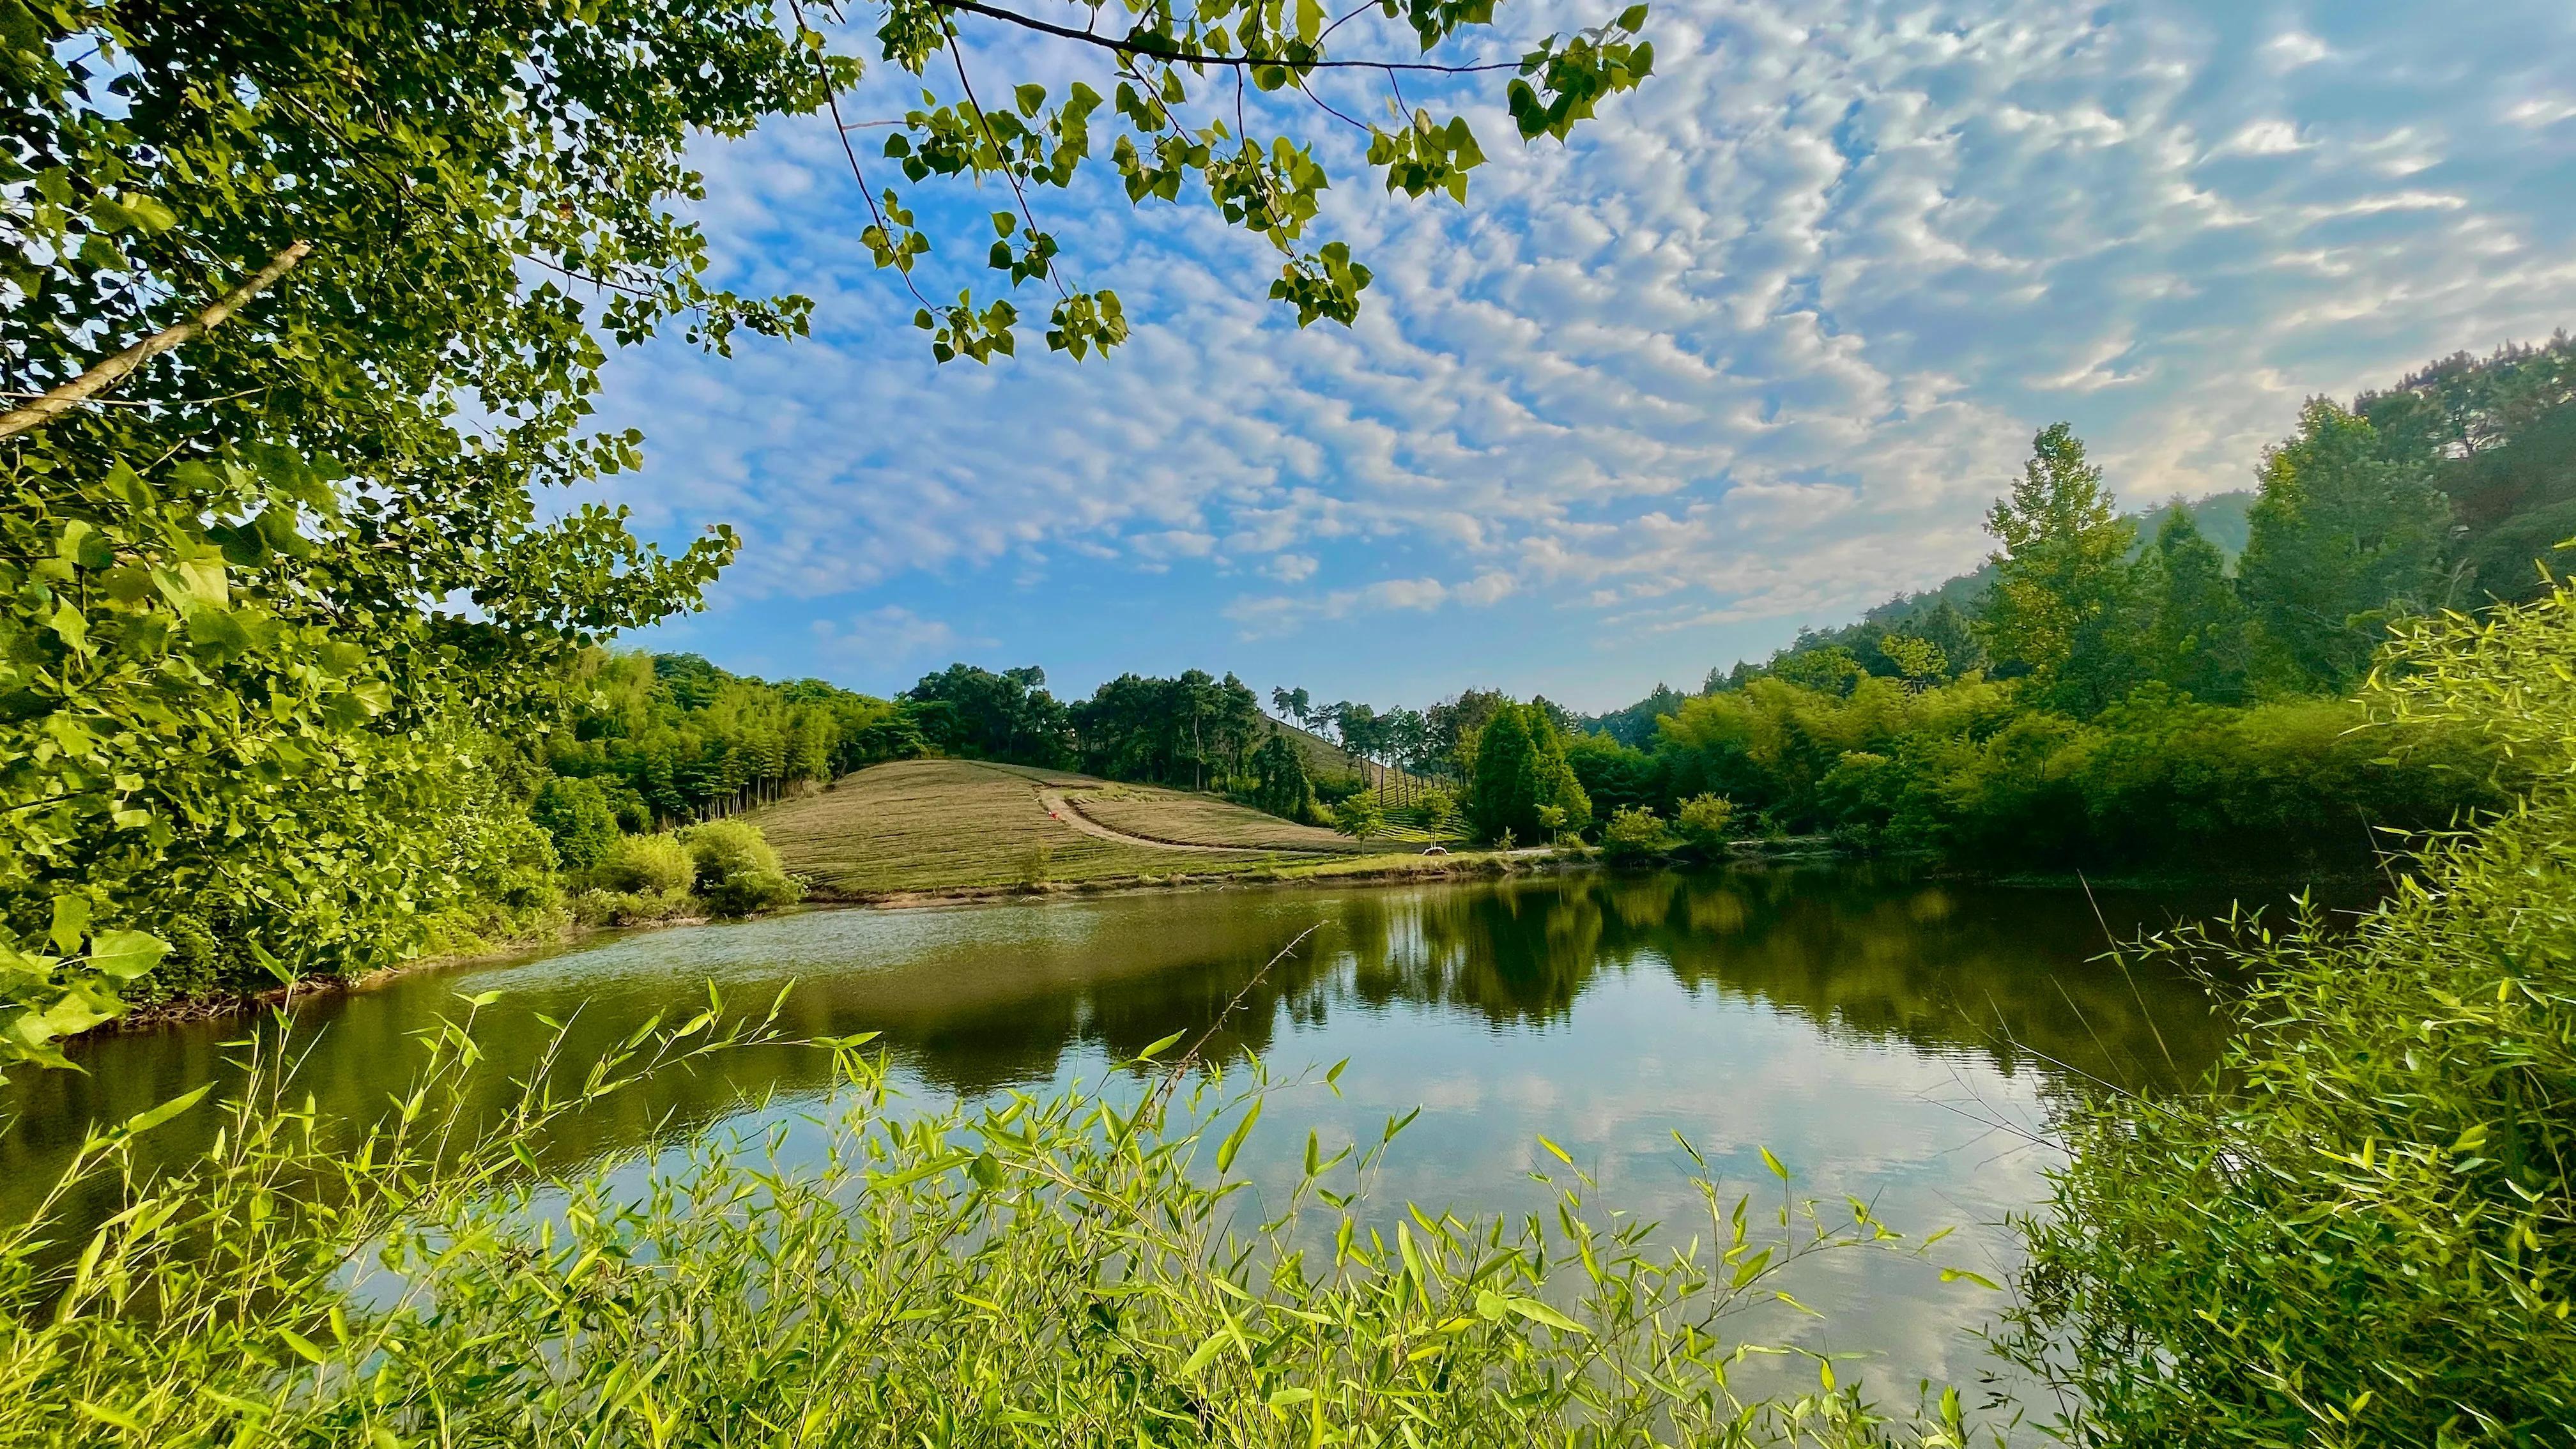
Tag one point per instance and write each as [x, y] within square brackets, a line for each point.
[1066, 812]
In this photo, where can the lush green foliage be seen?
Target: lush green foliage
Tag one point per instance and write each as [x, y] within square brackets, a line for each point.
[2344, 538]
[579, 817]
[1360, 816]
[2364, 1235]
[1632, 833]
[1282, 787]
[1520, 771]
[2156, 782]
[260, 610]
[671, 738]
[1703, 821]
[734, 870]
[1080, 1269]
[648, 864]
[2059, 582]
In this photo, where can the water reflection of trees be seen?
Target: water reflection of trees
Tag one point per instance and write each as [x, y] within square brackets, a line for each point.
[2008, 974]
[1940, 967]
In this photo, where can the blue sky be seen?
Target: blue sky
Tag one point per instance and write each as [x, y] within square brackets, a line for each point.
[1754, 351]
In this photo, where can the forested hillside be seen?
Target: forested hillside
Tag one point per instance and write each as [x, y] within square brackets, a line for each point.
[2126, 690]
[2452, 489]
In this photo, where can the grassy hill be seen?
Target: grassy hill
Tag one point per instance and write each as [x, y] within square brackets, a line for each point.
[939, 825]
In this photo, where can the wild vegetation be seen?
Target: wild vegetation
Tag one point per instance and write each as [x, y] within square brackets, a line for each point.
[1073, 1269]
[2365, 1236]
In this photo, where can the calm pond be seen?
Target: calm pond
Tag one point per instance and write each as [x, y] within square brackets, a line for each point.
[1897, 1039]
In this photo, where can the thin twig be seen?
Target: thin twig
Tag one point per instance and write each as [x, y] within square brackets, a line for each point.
[958, 57]
[841, 129]
[597, 281]
[115, 369]
[1190, 1057]
[2121, 959]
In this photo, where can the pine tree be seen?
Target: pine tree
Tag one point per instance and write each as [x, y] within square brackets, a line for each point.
[1520, 768]
[2062, 578]
[2193, 624]
[1284, 790]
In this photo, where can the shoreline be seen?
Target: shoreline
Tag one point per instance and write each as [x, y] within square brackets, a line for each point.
[1344, 870]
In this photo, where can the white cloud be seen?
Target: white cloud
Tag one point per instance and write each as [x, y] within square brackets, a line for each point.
[2264, 138]
[2292, 49]
[886, 636]
[1291, 568]
[2540, 111]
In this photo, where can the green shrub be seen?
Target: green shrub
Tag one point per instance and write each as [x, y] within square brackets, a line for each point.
[1634, 834]
[1359, 817]
[2362, 1234]
[1702, 823]
[506, 861]
[580, 818]
[1070, 1271]
[631, 908]
[737, 873]
[654, 864]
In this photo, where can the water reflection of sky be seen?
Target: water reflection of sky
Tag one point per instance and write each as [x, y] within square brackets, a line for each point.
[1870, 1029]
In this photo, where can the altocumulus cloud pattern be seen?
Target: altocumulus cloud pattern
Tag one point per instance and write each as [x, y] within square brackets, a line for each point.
[1754, 350]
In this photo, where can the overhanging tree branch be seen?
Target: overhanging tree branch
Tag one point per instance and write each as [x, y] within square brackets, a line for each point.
[107, 374]
[1130, 45]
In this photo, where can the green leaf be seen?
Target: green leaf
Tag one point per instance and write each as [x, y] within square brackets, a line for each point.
[71, 922]
[106, 1415]
[1632, 19]
[204, 578]
[1773, 1163]
[1234, 1140]
[123, 955]
[145, 1121]
[1160, 1046]
[1204, 1354]
[1537, 1312]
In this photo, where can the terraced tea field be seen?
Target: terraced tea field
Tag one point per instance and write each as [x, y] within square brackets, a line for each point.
[934, 825]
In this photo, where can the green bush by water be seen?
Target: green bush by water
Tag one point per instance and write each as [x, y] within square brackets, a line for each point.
[2372, 1239]
[645, 863]
[737, 874]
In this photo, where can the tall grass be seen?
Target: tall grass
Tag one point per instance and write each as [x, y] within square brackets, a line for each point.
[1084, 1268]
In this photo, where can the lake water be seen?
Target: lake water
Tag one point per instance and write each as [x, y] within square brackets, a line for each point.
[1895, 1038]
